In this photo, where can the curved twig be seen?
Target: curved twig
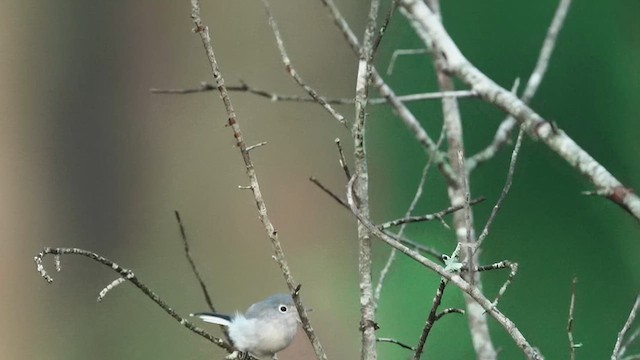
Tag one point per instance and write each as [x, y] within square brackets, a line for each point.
[129, 276]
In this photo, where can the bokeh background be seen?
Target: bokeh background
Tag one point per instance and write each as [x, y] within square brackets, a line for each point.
[90, 159]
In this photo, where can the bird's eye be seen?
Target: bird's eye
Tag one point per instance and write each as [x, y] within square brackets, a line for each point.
[283, 309]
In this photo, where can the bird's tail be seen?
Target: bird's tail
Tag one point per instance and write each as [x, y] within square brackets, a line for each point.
[214, 318]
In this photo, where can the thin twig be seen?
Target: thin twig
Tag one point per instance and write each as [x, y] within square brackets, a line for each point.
[403, 240]
[429, 217]
[414, 202]
[439, 256]
[203, 31]
[249, 148]
[274, 97]
[495, 266]
[448, 311]
[572, 345]
[627, 325]
[187, 254]
[505, 189]
[431, 319]
[292, 71]
[333, 195]
[399, 52]
[129, 276]
[393, 253]
[383, 28]
[453, 277]
[504, 130]
[343, 162]
[110, 287]
[628, 342]
[512, 275]
[394, 341]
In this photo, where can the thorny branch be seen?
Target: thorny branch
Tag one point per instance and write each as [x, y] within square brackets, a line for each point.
[203, 31]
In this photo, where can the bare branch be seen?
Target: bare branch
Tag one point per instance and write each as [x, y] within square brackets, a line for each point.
[399, 52]
[418, 247]
[401, 110]
[274, 97]
[129, 276]
[249, 148]
[343, 162]
[505, 190]
[504, 130]
[448, 311]
[512, 275]
[394, 341]
[453, 277]
[548, 46]
[385, 24]
[110, 287]
[333, 195]
[367, 302]
[616, 355]
[392, 254]
[203, 31]
[429, 217]
[459, 194]
[431, 320]
[537, 127]
[292, 72]
[572, 346]
[627, 343]
[187, 253]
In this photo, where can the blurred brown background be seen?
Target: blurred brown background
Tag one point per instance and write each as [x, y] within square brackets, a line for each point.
[90, 158]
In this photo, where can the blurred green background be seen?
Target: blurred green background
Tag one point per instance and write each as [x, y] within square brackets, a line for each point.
[89, 158]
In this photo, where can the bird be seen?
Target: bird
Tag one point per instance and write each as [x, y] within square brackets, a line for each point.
[266, 328]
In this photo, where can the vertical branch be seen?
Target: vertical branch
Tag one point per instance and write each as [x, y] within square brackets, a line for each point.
[431, 320]
[572, 344]
[462, 220]
[232, 121]
[367, 302]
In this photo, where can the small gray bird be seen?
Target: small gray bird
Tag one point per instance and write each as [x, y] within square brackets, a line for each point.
[266, 328]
